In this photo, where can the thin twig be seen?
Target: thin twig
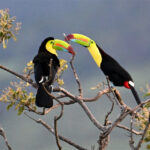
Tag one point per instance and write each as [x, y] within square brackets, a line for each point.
[76, 77]
[74, 71]
[99, 94]
[90, 115]
[108, 114]
[30, 81]
[131, 142]
[118, 96]
[123, 114]
[56, 118]
[144, 133]
[108, 83]
[126, 128]
[84, 106]
[50, 129]
[2, 133]
[65, 37]
[57, 105]
[70, 102]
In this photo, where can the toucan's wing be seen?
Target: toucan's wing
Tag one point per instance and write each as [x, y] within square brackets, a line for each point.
[38, 72]
[52, 72]
[116, 73]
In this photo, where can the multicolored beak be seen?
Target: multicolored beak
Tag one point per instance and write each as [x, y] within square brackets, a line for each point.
[79, 38]
[88, 43]
[63, 46]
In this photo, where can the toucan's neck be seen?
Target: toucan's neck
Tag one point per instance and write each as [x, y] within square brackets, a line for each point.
[94, 51]
[43, 50]
[101, 51]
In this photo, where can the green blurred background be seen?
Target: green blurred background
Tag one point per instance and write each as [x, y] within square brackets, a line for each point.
[120, 27]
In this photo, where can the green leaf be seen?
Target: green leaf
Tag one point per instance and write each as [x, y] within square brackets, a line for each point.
[4, 44]
[147, 94]
[1, 34]
[20, 110]
[148, 146]
[9, 106]
[147, 139]
[147, 105]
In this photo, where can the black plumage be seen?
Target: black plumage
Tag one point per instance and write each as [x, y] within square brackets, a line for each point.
[110, 67]
[116, 73]
[45, 69]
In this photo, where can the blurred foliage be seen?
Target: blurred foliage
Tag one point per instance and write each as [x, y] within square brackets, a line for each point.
[146, 90]
[8, 29]
[28, 70]
[17, 96]
[62, 68]
[97, 87]
[143, 120]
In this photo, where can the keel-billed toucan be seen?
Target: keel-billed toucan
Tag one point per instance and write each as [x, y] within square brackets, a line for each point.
[111, 68]
[46, 64]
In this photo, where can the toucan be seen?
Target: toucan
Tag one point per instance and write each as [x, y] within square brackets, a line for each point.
[46, 64]
[110, 67]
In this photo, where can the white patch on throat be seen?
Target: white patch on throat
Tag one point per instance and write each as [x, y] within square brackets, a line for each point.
[131, 83]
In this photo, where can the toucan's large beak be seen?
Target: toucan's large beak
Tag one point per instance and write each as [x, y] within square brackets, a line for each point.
[79, 38]
[89, 43]
[63, 46]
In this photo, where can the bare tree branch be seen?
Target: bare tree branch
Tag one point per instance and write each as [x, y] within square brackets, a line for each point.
[76, 77]
[126, 128]
[56, 118]
[84, 106]
[131, 142]
[100, 93]
[105, 129]
[144, 133]
[2, 133]
[30, 81]
[123, 114]
[108, 114]
[70, 102]
[50, 129]
[112, 91]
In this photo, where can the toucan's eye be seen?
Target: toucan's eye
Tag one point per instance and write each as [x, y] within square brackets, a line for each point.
[51, 42]
[92, 42]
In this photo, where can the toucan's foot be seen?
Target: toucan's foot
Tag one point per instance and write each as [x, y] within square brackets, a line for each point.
[111, 85]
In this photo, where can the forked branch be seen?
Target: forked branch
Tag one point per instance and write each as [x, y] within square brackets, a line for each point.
[50, 129]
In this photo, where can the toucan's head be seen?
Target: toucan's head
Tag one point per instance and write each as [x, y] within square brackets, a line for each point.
[88, 43]
[80, 39]
[51, 45]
